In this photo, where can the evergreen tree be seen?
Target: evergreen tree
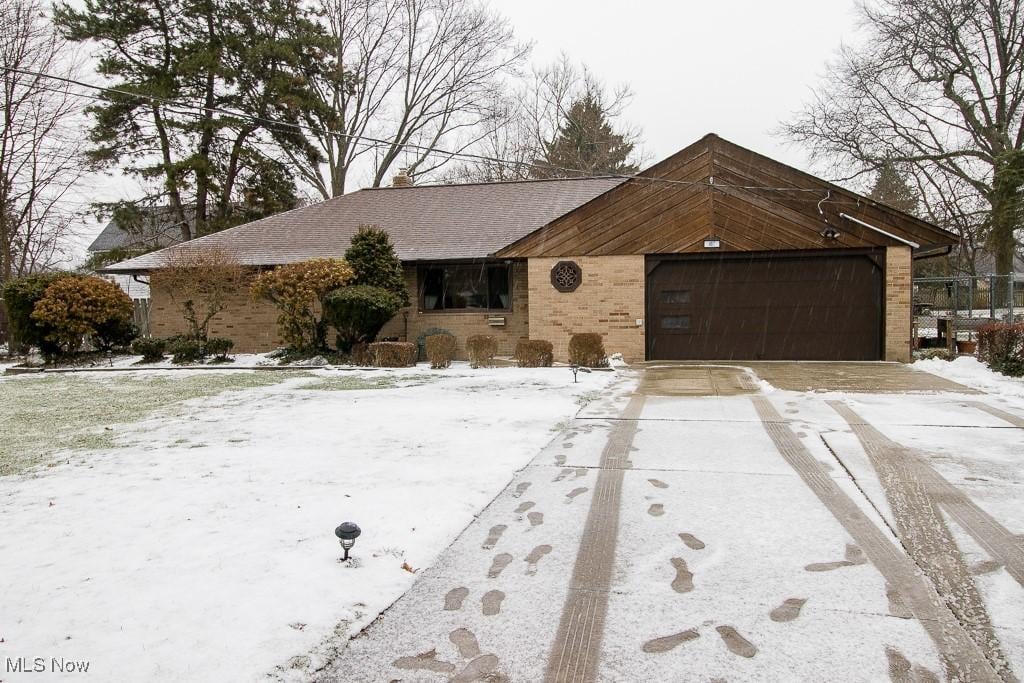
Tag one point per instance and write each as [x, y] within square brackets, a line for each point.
[176, 65]
[373, 260]
[359, 310]
[585, 141]
[892, 189]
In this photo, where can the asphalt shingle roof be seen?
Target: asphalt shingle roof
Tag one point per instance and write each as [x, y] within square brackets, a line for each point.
[427, 222]
[157, 229]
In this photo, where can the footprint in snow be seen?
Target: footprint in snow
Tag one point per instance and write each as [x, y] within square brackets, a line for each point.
[521, 488]
[534, 557]
[536, 518]
[562, 475]
[523, 507]
[656, 510]
[493, 536]
[569, 497]
[501, 561]
[692, 542]
[737, 644]
[788, 610]
[666, 643]
[491, 602]
[683, 583]
[854, 556]
[453, 599]
[657, 483]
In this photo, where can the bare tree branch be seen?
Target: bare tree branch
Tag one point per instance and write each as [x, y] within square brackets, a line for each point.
[40, 145]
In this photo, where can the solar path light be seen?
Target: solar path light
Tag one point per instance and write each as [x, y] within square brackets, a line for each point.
[347, 533]
[577, 369]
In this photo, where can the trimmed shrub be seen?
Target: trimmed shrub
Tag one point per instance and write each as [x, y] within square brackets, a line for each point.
[1001, 347]
[20, 297]
[393, 354]
[298, 290]
[219, 347]
[150, 348]
[360, 355]
[587, 349]
[358, 313]
[440, 350]
[184, 350]
[481, 349]
[115, 335]
[534, 353]
[421, 341]
[76, 307]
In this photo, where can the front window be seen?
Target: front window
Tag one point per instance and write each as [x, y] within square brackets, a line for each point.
[483, 286]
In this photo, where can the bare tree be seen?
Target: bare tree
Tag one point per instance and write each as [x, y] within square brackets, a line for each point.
[937, 85]
[200, 282]
[529, 119]
[420, 72]
[40, 145]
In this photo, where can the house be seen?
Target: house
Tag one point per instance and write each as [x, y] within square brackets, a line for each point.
[156, 229]
[714, 253]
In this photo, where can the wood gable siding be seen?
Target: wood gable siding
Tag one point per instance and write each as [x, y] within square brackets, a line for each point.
[716, 188]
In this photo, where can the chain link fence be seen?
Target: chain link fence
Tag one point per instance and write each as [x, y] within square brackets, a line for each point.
[949, 310]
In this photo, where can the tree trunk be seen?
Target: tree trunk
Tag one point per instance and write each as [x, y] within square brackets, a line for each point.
[206, 139]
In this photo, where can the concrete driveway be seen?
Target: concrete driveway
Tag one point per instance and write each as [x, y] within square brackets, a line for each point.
[855, 522]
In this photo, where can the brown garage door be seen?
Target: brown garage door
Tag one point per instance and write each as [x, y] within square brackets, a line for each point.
[765, 307]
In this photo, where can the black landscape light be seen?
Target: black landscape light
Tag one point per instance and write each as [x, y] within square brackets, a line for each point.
[576, 369]
[347, 533]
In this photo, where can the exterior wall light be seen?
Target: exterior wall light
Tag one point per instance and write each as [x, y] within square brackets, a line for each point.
[830, 232]
[347, 533]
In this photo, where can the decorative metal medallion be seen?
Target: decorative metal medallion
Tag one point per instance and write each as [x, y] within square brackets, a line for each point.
[566, 276]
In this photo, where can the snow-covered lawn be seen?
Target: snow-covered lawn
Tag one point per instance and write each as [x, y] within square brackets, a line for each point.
[170, 526]
[971, 372]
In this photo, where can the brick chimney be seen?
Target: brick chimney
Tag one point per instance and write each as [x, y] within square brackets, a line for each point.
[402, 179]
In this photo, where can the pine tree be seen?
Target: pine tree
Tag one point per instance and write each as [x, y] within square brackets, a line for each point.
[373, 259]
[175, 67]
[892, 189]
[586, 141]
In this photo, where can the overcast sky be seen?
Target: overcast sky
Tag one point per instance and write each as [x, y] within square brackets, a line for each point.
[736, 68]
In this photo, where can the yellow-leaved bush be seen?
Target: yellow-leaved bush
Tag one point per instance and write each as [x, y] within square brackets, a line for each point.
[76, 307]
[298, 291]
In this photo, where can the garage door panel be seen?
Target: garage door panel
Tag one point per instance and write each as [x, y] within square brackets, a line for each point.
[783, 308]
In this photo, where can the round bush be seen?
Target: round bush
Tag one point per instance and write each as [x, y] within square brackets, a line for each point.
[219, 347]
[184, 350]
[481, 349]
[587, 349]
[150, 348]
[76, 307]
[358, 312]
[440, 350]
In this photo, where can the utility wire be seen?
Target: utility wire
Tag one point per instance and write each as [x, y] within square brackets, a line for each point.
[186, 108]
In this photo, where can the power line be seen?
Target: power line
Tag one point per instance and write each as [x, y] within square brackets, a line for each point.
[188, 109]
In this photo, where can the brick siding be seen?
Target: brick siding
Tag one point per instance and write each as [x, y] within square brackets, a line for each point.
[410, 322]
[609, 300]
[898, 293]
[252, 325]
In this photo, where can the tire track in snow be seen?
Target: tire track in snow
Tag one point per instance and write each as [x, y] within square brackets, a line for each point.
[963, 660]
[576, 651]
[996, 412]
[915, 492]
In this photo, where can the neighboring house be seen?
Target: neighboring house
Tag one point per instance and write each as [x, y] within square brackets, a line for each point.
[985, 264]
[156, 229]
[714, 253]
